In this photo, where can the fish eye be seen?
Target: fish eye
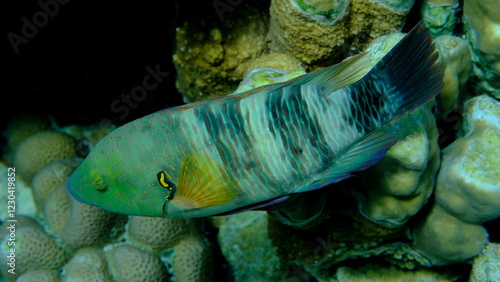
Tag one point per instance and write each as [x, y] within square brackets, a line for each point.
[99, 181]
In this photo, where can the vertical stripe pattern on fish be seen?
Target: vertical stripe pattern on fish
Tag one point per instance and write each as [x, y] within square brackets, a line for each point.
[254, 149]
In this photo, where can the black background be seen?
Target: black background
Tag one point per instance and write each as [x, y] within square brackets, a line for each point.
[87, 55]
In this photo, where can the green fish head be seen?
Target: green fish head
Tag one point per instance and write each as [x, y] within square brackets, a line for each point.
[113, 179]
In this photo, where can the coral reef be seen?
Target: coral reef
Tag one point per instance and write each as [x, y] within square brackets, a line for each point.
[163, 233]
[211, 60]
[467, 189]
[193, 260]
[23, 126]
[397, 187]
[40, 149]
[50, 177]
[128, 263]
[248, 231]
[319, 33]
[482, 30]
[455, 59]
[418, 208]
[34, 249]
[41, 275]
[486, 267]
[440, 16]
[468, 185]
[87, 264]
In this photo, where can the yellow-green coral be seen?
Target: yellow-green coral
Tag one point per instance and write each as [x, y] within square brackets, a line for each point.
[211, 59]
[319, 33]
[467, 189]
[398, 186]
[439, 16]
[444, 239]
[482, 29]
[486, 265]
[468, 185]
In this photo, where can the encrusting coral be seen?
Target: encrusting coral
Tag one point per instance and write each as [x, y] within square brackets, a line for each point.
[211, 60]
[467, 189]
[486, 267]
[468, 185]
[241, 232]
[319, 33]
[455, 59]
[482, 29]
[440, 16]
[397, 187]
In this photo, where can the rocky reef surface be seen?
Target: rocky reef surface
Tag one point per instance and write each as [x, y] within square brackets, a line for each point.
[429, 211]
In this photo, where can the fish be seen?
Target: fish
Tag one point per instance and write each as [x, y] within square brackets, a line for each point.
[256, 149]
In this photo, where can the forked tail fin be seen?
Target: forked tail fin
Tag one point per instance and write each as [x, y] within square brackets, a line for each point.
[404, 79]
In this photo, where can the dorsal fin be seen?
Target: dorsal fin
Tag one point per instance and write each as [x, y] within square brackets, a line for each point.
[337, 76]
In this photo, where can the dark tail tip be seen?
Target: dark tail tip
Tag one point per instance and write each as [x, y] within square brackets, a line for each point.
[412, 70]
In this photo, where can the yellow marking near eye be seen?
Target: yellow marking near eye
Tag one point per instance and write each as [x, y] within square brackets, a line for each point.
[162, 179]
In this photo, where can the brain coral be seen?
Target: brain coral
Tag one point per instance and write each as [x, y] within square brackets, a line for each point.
[192, 260]
[163, 233]
[39, 275]
[79, 225]
[88, 264]
[127, 263]
[40, 149]
[35, 249]
[50, 177]
[90, 226]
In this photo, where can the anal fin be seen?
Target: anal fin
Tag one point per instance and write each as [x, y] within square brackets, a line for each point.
[265, 205]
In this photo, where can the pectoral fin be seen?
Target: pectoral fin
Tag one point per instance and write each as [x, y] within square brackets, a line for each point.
[203, 182]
